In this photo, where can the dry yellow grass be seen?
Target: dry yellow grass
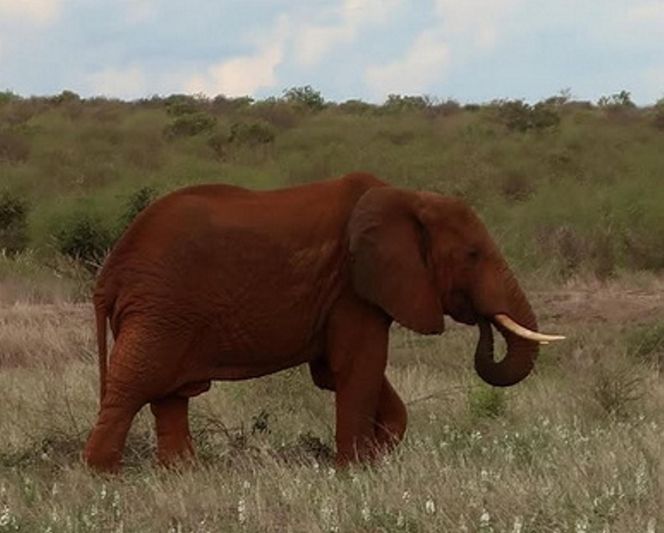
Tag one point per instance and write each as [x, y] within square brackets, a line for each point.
[576, 447]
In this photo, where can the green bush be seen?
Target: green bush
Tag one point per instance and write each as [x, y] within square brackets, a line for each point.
[647, 343]
[278, 113]
[8, 96]
[182, 104]
[486, 402]
[306, 97]
[138, 201]
[13, 223]
[445, 108]
[623, 99]
[397, 103]
[66, 97]
[517, 115]
[658, 120]
[617, 387]
[251, 133]
[190, 124]
[355, 107]
[83, 237]
[224, 104]
[14, 148]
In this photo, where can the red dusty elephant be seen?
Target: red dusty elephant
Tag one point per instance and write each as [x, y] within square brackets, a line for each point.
[216, 282]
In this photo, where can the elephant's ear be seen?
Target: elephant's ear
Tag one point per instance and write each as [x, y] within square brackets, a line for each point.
[391, 265]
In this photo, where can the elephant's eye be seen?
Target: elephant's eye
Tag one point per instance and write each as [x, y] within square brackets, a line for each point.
[473, 254]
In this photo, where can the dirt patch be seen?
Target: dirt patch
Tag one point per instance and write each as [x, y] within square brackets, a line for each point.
[613, 306]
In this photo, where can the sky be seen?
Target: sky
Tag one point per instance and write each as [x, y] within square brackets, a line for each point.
[468, 50]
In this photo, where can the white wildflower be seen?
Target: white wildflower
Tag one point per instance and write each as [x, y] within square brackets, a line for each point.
[6, 517]
[176, 527]
[642, 479]
[518, 525]
[430, 506]
[366, 512]
[581, 525]
[328, 516]
[241, 511]
[405, 496]
[485, 521]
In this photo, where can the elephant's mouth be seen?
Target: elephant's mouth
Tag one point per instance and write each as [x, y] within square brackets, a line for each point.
[461, 309]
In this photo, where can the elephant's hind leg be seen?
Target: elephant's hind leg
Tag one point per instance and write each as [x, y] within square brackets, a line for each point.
[391, 418]
[173, 438]
[103, 450]
[174, 442]
[127, 390]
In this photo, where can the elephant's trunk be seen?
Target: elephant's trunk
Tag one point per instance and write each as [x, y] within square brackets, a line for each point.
[521, 353]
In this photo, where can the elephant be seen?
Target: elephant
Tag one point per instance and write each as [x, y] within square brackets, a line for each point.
[218, 282]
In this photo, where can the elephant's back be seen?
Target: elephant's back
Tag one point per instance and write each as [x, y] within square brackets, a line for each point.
[226, 251]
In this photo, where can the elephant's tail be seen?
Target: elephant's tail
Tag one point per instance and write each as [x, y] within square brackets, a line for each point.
[100, 318]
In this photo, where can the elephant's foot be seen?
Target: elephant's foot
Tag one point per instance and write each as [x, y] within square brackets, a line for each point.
[174, 451]
[174, 443]
[102, 460]
[370, 443]
[391, 419]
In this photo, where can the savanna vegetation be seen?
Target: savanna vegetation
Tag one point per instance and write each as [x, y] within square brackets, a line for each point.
[566, 186]
[574, 194]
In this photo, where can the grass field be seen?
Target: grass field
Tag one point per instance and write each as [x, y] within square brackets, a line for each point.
[576, 447]
[573, 193]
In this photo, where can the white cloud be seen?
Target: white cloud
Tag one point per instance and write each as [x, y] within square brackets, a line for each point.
[36, 11]
[459, 28]
[244, 75]
[651, 12]
[139, 10]
[653, 86]
[130, 82]
[477, 21]
[423, 64]
[315, 40]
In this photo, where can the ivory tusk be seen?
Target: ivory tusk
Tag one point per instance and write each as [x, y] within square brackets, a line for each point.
[526, 333]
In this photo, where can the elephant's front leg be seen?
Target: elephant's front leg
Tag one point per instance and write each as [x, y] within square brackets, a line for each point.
[391, 418]
[357, 347]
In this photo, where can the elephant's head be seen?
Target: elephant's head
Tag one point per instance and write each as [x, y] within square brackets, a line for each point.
[419, 256]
